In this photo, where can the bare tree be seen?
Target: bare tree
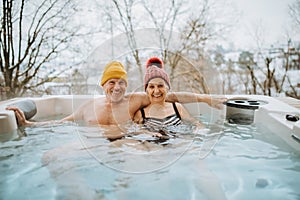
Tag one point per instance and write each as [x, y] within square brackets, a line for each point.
[164, 20]
[200, 29]
[173, 23]
[123, 17]
[126, 16]
[193, 37]
[32, 34]
[269, 75]
[294, 10]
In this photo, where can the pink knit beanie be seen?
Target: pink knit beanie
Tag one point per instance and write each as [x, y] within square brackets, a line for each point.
[155, 69]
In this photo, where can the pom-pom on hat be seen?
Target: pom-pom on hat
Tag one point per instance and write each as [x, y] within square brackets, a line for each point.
[113, 69]
[155, 61]
[155, 69]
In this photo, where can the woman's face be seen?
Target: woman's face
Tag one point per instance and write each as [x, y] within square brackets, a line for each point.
[157, 90]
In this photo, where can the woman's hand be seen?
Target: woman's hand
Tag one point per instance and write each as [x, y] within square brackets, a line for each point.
[161, 135]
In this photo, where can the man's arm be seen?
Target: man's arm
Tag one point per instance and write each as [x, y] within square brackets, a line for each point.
[77, 115]
[140, 99]
[22, 121]
[188, 97]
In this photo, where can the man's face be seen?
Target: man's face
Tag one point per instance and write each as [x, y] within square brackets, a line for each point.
[115, 89]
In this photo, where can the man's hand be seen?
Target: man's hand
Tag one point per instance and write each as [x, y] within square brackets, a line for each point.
[113, 132]
[20, 116]
[216, 102]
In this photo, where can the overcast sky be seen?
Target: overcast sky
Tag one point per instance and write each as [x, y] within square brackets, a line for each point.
[271, 16]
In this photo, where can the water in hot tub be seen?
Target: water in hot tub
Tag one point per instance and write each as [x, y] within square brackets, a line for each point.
[71, 161]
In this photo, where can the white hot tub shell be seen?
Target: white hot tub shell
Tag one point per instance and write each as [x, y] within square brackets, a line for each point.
[271, 115]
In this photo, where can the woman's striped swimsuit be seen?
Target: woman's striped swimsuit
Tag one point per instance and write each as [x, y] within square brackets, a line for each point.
[155, 124]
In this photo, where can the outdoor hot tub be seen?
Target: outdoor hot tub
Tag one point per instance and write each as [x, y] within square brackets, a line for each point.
[230, 158]
[267, 112]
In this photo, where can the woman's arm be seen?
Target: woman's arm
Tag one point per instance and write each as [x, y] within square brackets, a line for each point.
[185, 116]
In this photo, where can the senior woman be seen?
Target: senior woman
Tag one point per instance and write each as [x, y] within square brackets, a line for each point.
[159, 114]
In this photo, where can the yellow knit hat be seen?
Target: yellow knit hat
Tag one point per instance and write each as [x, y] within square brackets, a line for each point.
[113, 70]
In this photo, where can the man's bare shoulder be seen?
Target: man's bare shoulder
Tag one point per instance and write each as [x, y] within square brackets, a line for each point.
[138, 99]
